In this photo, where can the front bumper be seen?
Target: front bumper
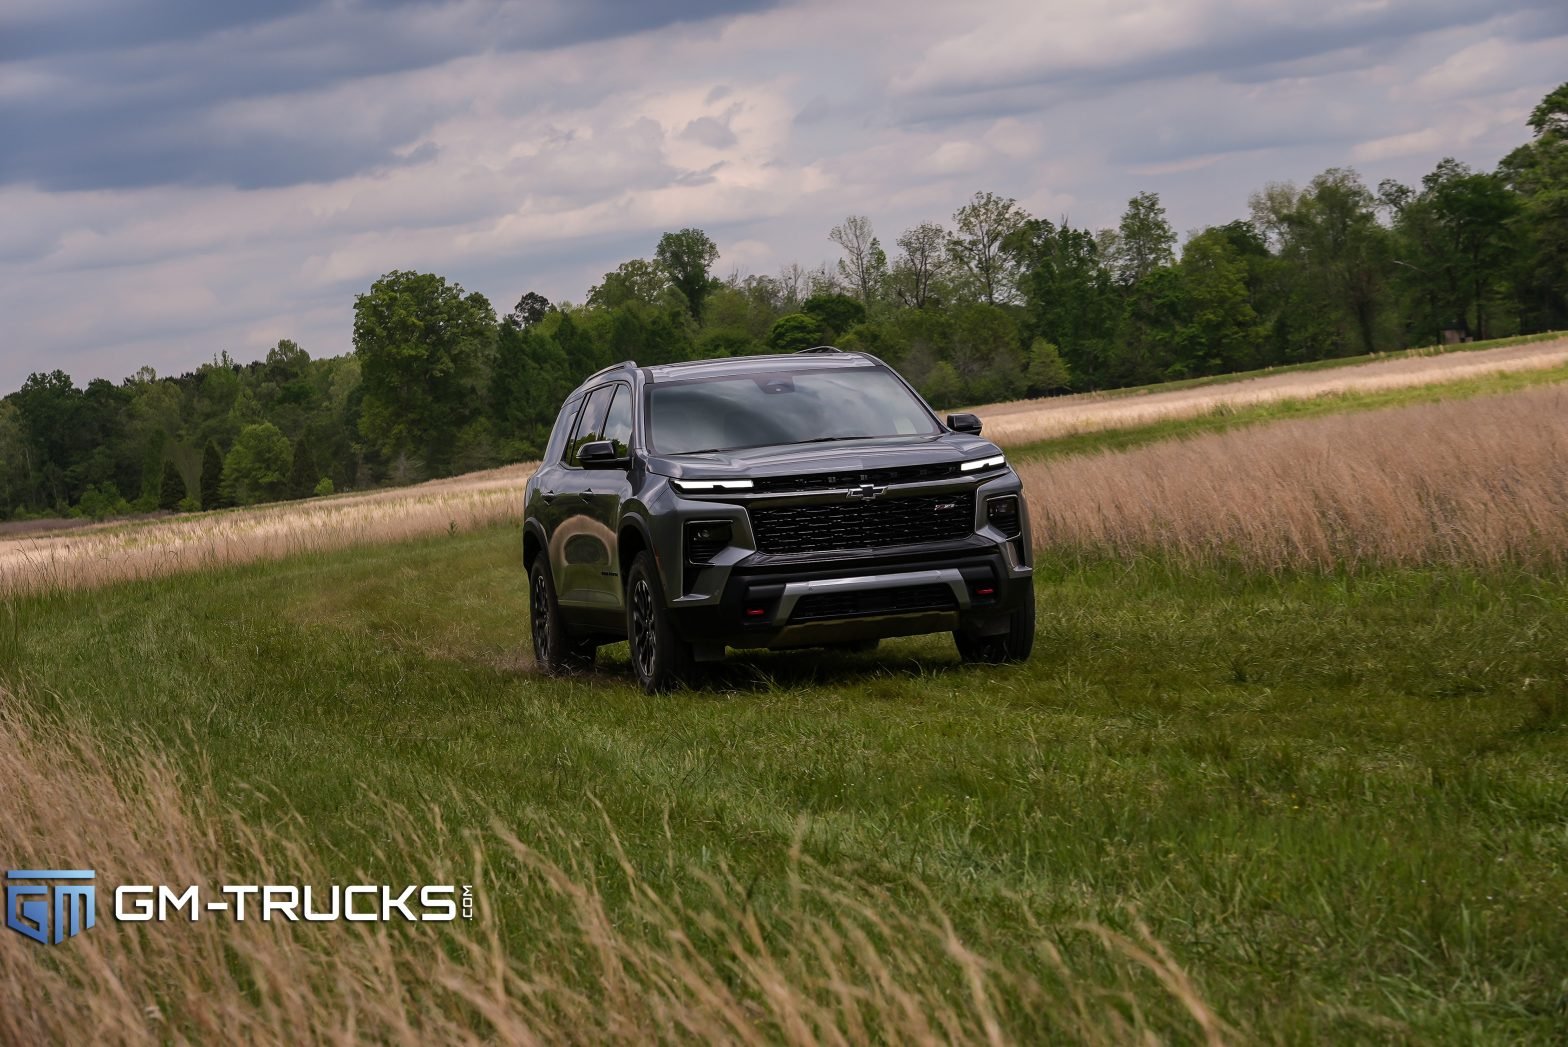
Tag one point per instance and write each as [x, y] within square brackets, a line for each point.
[973, 587]
[744, 598]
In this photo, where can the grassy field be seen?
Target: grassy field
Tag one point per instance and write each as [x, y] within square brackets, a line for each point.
[1340, 801]
[1290, 764]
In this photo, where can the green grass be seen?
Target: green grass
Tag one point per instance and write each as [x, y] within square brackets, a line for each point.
[1341, 802]
[1329, 364]
[1226, 417]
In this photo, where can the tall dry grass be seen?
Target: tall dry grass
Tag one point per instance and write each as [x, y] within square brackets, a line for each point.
[841, 964]
[1478, 482]
[111, 553]
[1029, 421]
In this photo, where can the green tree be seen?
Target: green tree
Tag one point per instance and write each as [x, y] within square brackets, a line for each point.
[15, 460]
[257, 467]
[1456, 243]
[1538, 173]
[942, 386]
[171, 491]
[638, 280]
[1339, 255]
[1220, 331]
[1048, 372]
[985, 226]
[1070, 297]
[795, 332]
[983, 347]
[211, 476]
[835, 313]
[920, 271]
[423, 347]
[686, 257]
[530, 309]
[864, 265]
[1144, 240]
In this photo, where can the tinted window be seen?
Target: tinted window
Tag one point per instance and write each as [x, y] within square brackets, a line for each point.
[783, 407]
[590, 424]
[563, 425]
[618, 423]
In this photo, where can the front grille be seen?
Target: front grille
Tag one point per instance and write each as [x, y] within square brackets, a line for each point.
[909, 599]
[872, 524]
[906, 474]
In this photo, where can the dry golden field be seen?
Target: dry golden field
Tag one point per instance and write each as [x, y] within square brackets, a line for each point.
[1469, 482]
[1027, 421]
[1457, 481]
[116, 552]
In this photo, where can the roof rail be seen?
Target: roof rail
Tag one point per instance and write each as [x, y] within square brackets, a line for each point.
[819, 349]
[613, 367]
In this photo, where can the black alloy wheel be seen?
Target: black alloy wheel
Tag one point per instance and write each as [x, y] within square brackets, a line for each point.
[660, 658]
[555, 651]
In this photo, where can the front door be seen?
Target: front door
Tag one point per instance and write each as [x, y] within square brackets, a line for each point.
[604, 491]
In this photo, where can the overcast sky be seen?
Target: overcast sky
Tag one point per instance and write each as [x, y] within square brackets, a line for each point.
[183, 177]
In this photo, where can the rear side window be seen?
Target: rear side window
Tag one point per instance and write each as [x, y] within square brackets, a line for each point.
[618, 424]
[590, 424]
[563, 426]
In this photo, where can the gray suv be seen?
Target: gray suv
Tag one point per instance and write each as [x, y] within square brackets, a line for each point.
[807, 500]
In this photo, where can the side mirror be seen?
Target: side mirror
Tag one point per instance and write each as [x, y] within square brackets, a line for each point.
[964, 423]
[601, 454]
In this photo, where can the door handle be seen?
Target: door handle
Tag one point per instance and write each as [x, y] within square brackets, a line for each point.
[547, 497]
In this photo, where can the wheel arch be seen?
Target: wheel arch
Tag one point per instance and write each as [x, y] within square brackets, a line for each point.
[533, 543]
[631, 539]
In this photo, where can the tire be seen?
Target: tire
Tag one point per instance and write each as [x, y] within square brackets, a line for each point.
[1011, 646]
[556, 651]
[660, 658]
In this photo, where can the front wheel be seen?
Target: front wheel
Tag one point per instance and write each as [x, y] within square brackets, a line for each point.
[1012, 646]
[555, 650]
[660, 658]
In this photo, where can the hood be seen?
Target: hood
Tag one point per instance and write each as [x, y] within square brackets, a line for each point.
[847, 456]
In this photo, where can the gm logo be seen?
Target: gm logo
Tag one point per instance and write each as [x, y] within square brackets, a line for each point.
[28, 906]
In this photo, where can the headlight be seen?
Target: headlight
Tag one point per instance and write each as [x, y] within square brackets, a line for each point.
[984, 463]
[698, 486]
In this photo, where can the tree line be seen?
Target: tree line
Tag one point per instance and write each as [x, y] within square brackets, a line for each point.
[999, 304]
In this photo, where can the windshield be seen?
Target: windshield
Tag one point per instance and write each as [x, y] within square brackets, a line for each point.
[783, 407]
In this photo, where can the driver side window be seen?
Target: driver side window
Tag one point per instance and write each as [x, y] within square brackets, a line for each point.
[590, 424]
[618, 423]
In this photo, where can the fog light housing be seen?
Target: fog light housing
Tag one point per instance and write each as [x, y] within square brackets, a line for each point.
[1001, 512]
[705, 539]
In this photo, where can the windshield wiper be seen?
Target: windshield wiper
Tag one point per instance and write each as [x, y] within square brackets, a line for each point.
[830, 439]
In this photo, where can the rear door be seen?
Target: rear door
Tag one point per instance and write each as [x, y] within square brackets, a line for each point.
[581, 544]
[543, 503]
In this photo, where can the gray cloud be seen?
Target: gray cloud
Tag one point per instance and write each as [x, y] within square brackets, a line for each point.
[127, 96]
[206, 181]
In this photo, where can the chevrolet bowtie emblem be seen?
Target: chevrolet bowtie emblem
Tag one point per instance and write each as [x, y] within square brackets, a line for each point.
[866, 492]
